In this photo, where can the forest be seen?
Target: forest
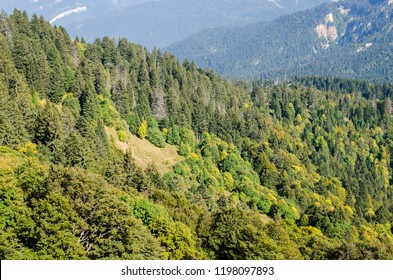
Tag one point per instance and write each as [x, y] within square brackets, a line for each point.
[359, 45]
[244, 170]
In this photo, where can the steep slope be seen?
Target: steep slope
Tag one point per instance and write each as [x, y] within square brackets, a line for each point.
[145, 153]
[299, 170]
[345, 38]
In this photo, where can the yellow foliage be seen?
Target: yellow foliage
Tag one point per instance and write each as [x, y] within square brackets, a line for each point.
[194, 156]
[215, 172]
[272, 197]
[81, 47]
[122, 135]
[29, 149]
[311, 231]
[297, 168]
[349, 210]
[368, 233]
[331, 209]
[223, 155]
[142, 130]
[377, 131]
[316, 196]
[295, 212]
[228, 180]
[370, 212]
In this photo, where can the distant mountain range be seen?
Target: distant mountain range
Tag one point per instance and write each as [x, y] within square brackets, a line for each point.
[343, 38]
[154, 23]
[58, 10]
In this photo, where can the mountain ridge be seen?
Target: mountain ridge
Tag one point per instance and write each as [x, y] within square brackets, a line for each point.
[155, 23]
[316, 41]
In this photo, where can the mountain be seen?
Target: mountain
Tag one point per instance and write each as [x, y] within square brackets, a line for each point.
[109, 151]
[60, 11]
[344, 38]
[55, 10]
[155, 23]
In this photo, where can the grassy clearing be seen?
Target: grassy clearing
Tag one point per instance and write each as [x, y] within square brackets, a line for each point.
[145, 152]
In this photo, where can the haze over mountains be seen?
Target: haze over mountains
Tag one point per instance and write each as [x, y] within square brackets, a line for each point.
[56, 10]
[154, 23]
[345, 38]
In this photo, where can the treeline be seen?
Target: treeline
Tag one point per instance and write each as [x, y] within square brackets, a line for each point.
[299, 170]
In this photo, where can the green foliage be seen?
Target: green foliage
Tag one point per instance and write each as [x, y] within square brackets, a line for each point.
[174, 236]
[184, 150]
[122, 135]
[154, 135]
[49, 126]
[133, 122]
[173, 135]
[297, 170]
[236, 237]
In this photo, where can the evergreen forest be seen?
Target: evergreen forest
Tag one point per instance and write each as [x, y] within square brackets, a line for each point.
[241, 170]
[351, 39]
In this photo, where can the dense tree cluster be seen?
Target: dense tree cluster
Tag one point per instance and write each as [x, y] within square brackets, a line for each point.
[300, 170]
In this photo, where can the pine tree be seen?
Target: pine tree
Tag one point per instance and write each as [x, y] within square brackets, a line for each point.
[48, 125]
[89, 110]
[120, 97]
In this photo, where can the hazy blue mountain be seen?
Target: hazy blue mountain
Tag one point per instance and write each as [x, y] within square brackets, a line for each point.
[344, 38]
[160, 23]
[155, 23]
[51, 9]
[60, 11]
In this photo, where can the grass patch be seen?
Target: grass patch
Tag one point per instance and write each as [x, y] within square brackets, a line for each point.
[145, 152]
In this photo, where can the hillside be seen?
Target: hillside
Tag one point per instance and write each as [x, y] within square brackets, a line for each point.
[345, 39]
[298, 170]
[145, 153]
[155, 23]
